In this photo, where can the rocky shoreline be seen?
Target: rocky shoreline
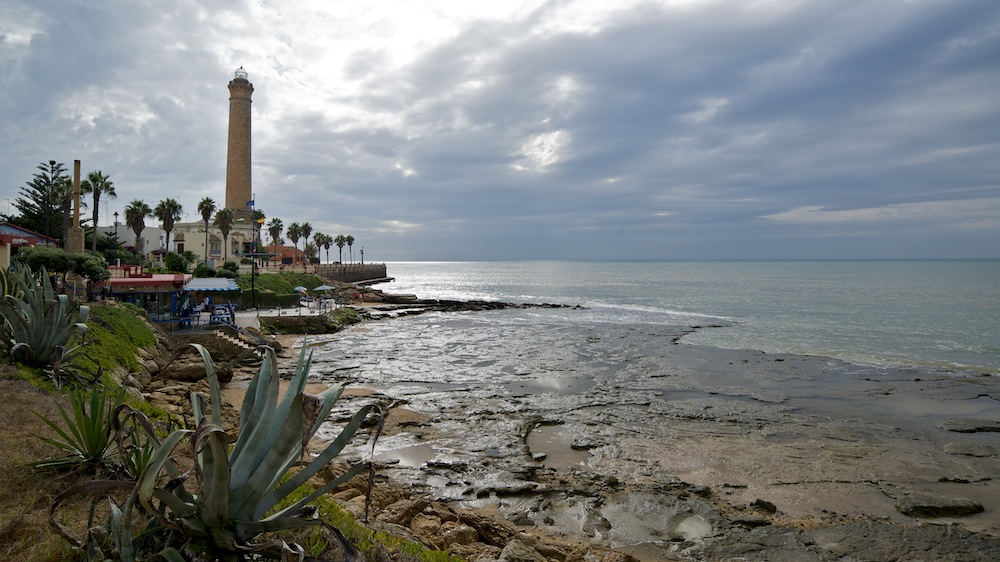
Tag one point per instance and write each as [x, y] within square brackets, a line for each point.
[735, 455]
[727, 473]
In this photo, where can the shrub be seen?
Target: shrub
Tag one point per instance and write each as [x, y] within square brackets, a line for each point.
[175, 263]
[203, 270]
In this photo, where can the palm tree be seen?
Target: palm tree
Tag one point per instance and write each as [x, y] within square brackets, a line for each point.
[310, 249]
[97, 184]
[280, 242]
[274, 229]
[135, 218]
[206, 207]
[169, 212]
[350, 243]
[294, 232]
[258, 223]
[326, 242]
[305, 229]
[340, 240]
[318, 240]
[224, 219]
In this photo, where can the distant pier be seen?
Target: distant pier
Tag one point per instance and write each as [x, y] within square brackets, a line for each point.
[352, 272]
[367, 274]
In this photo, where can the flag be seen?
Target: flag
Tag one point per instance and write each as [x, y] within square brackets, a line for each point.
[250, 203]
[260, 221]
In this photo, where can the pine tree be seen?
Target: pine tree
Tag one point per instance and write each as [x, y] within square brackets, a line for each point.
[40, 200]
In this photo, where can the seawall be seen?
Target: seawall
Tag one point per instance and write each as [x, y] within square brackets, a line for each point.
[351, 273]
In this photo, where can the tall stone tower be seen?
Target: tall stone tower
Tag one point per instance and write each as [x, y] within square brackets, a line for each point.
[238, 190]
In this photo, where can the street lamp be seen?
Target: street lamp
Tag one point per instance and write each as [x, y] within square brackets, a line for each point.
[253, 255]
[116, 229]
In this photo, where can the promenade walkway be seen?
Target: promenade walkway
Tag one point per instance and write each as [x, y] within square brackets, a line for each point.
[249, 318]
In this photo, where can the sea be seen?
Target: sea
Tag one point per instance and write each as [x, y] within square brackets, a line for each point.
[941, 315]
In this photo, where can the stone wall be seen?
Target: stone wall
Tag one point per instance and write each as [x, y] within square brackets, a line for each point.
[352, 272]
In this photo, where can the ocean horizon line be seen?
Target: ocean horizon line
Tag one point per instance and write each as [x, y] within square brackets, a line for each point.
[693, 260]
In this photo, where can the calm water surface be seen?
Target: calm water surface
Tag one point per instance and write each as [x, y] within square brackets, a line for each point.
[937, 314]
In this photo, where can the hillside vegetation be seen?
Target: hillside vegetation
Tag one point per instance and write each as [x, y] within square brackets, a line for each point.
[280, 283]
[116, 334]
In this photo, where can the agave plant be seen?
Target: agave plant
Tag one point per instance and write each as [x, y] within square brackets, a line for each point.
[38, 324]
[237, 488]
[6, 285]
[86, 442]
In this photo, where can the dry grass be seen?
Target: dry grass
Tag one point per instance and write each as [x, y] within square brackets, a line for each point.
[25, 493]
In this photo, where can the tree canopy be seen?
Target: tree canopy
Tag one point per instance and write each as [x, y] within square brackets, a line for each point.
[135, 218]
[56, 260]
[168, 211]
[39, 201]
[97, 184]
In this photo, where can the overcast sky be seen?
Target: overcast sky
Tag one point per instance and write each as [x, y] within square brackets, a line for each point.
[532, 129]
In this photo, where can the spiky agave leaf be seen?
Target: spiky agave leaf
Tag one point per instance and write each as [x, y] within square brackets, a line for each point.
[36, 321]
[332, 450]
[269, 432]
[213, 387]
[236, 489]
[87, 435]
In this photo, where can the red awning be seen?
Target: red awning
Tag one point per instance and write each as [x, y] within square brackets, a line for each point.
[162, 281]
[18, 240]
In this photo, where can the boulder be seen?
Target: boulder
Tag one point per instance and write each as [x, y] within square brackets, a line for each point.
[402, 511]
[347, 495]
[139, 379]
[517, 551]
[492, 531]
[184, 371]
[425, 525]
[442, 512]
[454, 533]
[476, 552]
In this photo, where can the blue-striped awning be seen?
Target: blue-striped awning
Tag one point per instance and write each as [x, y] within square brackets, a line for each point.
[212, 284]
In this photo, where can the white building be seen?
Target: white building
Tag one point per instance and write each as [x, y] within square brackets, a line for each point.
[153, 237]
[190, 237]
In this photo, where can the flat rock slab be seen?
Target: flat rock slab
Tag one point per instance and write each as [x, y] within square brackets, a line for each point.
[926, 504]
[971, 425]
[970, 449]
[882, 542]
[585, 433]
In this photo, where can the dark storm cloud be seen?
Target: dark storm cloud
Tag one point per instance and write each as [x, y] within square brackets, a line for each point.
[720, 129]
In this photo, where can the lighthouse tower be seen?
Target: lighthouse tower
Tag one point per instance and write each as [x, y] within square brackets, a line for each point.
[238, 191]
